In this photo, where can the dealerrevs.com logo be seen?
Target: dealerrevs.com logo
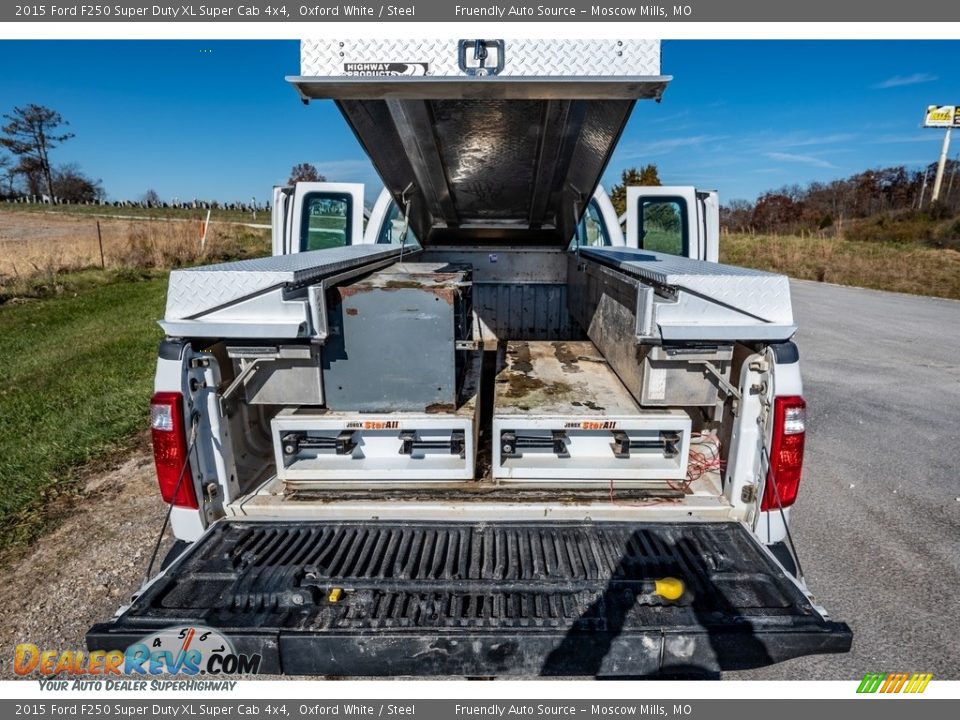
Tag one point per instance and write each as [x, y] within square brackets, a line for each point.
[183, 650]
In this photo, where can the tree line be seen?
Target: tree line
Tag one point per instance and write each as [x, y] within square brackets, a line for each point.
[823, 207]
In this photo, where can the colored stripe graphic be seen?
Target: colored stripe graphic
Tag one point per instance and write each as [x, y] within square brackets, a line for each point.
[894, 683]
[871, 683]
[920, 684]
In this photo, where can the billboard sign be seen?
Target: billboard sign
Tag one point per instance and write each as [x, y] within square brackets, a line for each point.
[942, 116]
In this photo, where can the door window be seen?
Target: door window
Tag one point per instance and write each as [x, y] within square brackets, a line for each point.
[326, 221]
[663, 225]
[591, 231]
[391, 231]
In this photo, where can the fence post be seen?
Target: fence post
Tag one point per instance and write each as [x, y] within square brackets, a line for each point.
[100, 243]
[203, 238]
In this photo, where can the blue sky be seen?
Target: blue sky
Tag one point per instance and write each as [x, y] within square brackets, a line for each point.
[216, 119]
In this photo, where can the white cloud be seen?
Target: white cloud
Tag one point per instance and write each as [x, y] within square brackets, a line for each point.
[927, 137]
[819, 140]
[359, 170]
[805, 159]
[901, 80]
[667, 145]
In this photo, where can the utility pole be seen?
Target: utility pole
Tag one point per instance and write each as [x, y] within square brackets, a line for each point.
[923, 189]
[938, 180]
[953, 174]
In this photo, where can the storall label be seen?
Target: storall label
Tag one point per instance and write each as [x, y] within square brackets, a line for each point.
[374, 425]
[592, 425]
[380, 69]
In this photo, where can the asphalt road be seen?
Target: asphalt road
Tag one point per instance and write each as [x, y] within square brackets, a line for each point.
[877, 523]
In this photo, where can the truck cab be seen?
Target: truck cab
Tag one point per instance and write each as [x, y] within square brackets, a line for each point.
[490, 432]
[676, 220]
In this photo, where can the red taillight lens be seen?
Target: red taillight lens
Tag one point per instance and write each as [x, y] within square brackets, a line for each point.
[170, 449]
[786, 452]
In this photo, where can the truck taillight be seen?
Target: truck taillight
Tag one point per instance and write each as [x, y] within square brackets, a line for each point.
[786, 452]
[170, 450]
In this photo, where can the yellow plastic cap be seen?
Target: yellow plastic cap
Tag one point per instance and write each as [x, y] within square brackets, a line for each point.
[668, 588]
[334, 595]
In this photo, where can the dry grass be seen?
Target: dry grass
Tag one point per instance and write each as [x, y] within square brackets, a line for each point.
[35, 248]
[907, 267]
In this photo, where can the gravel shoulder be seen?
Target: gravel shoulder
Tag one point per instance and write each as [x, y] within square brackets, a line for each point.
[83, 570]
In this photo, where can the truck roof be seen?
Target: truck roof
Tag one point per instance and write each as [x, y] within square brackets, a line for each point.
[487, 140]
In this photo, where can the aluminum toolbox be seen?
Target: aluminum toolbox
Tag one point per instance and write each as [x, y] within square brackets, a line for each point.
[487, 139]
[262, 298]
[623, 296]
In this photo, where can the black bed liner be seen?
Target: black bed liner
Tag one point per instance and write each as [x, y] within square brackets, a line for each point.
[480, 599]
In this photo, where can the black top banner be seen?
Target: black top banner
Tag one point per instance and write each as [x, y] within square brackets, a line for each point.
[480, 10]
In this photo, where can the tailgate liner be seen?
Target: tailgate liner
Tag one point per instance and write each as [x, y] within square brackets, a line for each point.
[550, 598]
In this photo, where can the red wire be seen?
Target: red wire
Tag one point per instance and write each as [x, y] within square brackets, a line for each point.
[698, 465]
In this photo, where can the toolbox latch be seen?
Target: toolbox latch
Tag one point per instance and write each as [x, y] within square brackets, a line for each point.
[480, 57]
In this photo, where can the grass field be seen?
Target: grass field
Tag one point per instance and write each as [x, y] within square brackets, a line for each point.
[78, 372]
[79, 345]
[898, 267]
[39, 255]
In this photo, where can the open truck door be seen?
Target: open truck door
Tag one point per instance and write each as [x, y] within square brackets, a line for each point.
[317, 216]
[675, 220]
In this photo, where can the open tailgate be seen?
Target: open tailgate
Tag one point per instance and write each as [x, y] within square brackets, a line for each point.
[481, 599]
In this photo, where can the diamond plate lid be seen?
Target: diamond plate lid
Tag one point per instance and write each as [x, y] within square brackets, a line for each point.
[198, 290]
[457, 58]
[763, 295]
[493, 140]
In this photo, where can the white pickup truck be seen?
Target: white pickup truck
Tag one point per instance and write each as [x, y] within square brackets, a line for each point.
[486, 431]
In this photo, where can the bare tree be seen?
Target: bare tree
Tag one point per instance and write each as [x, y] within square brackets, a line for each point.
[31, 133]
[151, 198]
[72, 186]
[305, 172]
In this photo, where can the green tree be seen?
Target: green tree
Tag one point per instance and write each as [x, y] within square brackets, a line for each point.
[31, 132]
[647, 175]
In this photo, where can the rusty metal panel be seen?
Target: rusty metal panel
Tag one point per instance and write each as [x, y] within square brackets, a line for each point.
[392, 345]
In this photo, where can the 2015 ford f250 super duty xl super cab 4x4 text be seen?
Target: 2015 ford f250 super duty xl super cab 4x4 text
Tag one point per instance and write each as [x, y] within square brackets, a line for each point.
[489, 431]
